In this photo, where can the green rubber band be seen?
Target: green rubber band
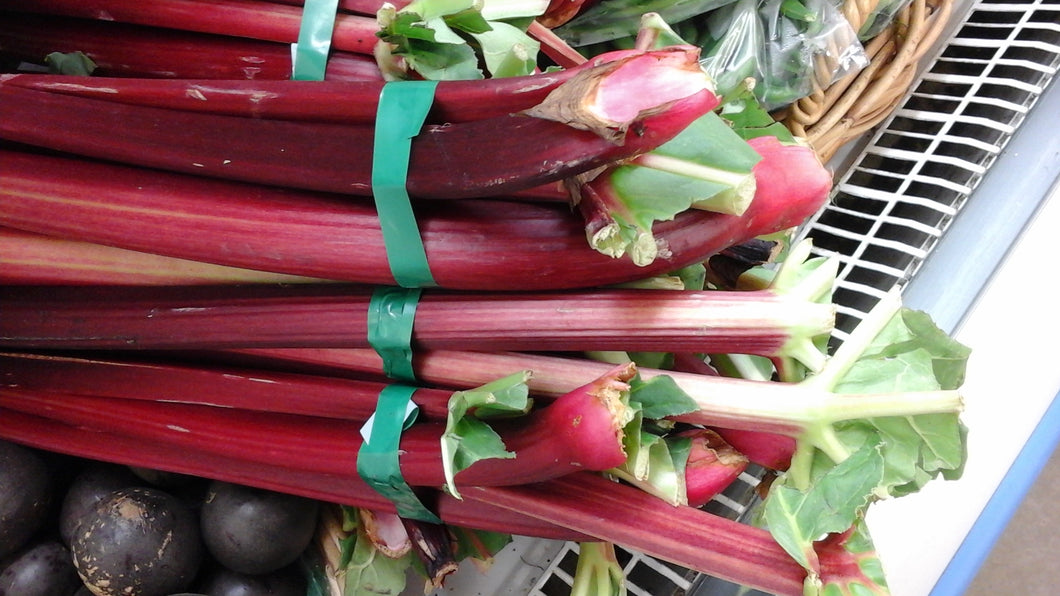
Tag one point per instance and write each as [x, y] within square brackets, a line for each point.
[310, 54]
[391, 314]
[377, 459]
[403, 107]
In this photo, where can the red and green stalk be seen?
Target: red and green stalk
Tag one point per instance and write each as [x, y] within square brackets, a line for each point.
[326, 315]
[139, 51]
[345, 102]
[581, 431]
[586, 122]
[34, 259]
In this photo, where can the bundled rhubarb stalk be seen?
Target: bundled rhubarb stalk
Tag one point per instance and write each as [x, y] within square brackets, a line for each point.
[286, 419]
[191, 261]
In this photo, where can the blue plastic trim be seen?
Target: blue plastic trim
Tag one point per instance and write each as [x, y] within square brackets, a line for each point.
[983, 233]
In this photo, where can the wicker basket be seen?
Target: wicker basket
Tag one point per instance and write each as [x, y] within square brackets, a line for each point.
[830, 118]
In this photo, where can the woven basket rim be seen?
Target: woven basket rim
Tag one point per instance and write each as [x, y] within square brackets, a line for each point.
[829, 118]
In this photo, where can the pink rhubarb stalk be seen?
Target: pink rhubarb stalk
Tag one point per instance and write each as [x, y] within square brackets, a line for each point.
[29, 259]
[52, 435]
[586, 122]
[326, 315]
[776, 408]
[170, 380]
[238, 18]
[767, 449]
[584, 432]
[315, 101]
[503, 245]
[126, 50]
[629, 517]
[712, 465]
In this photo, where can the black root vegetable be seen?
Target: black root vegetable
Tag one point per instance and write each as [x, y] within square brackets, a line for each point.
[41, 570]
[93, 484]
[25, 496]
[218, 581]
[255, 531]
[138, 542]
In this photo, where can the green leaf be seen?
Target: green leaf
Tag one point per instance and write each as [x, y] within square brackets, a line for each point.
[609, 20]
[837, 496]
[694, 277]
[452, 39]
[912, 354]
[707, 166]
[467, 437]
[507, 50]
[468, 21]
[660, 467]
[796, 9]
[913, 340]
[71, 63]
[916, 449]
[651, 359]
[859, 572]
[750, 119]
[660, 397]
[435, 9]
[367, 571]
[477, 544]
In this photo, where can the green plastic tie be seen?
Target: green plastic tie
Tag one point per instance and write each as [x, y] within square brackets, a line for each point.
[377, 459]
[403, 107]
[309, 58]
[391, 314]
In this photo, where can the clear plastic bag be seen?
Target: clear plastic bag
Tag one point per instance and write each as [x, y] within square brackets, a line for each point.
[789, 47]
[617, 20]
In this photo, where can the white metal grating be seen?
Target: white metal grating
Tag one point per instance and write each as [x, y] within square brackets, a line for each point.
[900, 194]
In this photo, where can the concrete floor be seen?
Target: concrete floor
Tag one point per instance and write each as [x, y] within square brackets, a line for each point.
[1025, 561]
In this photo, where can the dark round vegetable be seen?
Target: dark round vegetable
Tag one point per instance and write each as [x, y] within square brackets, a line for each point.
[288, 581]
[138, 542]
[41, 570]
[96, 481]
[26, 495]
[161, 478]
[256, 531]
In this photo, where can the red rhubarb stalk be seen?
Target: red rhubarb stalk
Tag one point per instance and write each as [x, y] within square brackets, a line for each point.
[316, 101]
[584, 123]
[28, 258]
[767, 449]
[51, 435]
[713, 464]
[126, 50]
[237, 18]
[365, 7]
[787, 409]
[583, 432]
[683, 535]
[336, 315]
[168, 380]
[470, 244]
